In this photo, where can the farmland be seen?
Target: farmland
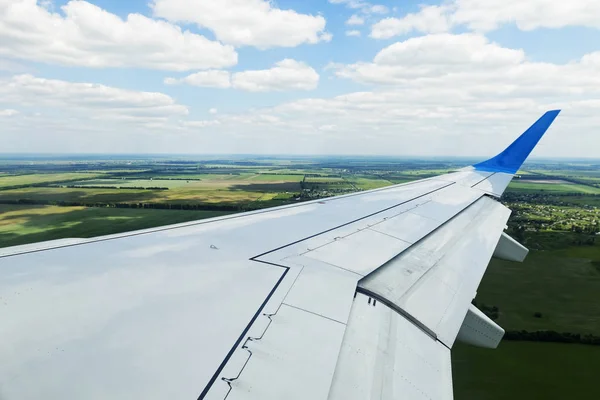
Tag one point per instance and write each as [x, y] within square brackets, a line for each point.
[26, 224]
[23, 180]
[556, 214]
[525, 370]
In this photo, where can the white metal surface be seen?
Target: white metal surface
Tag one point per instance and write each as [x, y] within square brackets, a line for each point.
[160, 313]
[142, 306]
[25, 248]
[509, 249]
[322, 289]
[355, 252]
[393, 280]
[384, 356]
[295, 359]
[467, 177]
[408, 226]
[495, 184]
[447, 203]
[479, 330]
[110, 329]
[436, 279]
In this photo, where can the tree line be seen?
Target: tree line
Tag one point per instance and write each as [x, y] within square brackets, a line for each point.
[117, 187]
[138, 205]
[553, 337]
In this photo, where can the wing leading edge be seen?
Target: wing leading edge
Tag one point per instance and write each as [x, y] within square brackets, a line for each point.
[358, 296]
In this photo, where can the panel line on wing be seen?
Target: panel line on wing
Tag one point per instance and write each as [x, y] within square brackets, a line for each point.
[324, 262]
[244, 332]
[487, 177]
[313, 313]
[353, 221]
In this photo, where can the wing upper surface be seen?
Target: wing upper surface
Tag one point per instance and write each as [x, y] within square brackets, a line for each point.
[145, 305]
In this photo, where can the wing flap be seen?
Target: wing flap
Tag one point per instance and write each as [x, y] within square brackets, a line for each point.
[282, 363]
[385, 356]
[435, 280]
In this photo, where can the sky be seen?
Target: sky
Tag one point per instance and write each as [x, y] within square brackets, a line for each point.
[389, 77]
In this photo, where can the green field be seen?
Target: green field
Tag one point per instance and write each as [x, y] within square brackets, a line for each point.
[552, 187]
[264, 177]
[590, 173]
[369, 183]
[33, 179]
[28, 224]
[130, 183]
[526, 370]
[183, 195]
[563, 285]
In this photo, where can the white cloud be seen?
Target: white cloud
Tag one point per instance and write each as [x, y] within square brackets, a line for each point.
[87, 99]
[430, 19]
[9, 112]
[378, 9]
[444, 94]
[211, 78]
[213, 111]
[12, 66]
[456, 51]
[355, 20]
[86, 35]
[246, 22]
[364, 6]
[488, 15]
[432, 56]
[353, 33]
[287, 74]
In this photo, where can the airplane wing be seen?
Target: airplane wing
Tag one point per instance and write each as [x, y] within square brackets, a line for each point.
[354, 297]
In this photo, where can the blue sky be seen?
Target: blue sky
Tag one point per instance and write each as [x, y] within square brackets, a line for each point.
[297, 76]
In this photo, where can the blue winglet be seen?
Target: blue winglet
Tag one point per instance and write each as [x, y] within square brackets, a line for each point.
[511, 159]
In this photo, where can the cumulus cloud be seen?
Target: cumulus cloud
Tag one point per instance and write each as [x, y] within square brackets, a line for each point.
[213, 111]
[470, 66]
[430, 19]
[86, 35]
[432, 56]
[211, 78]
[433, 95]
[378, 9]
[353, 33]
[287, 74]
[364, 6]
[246, 22]
[447, 94]
[355, 20]
[487, 15]
[87, 98]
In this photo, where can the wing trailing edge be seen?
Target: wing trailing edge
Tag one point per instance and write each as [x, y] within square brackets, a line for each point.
[510, 160]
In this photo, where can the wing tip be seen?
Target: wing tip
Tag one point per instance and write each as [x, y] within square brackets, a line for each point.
[512, 158]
